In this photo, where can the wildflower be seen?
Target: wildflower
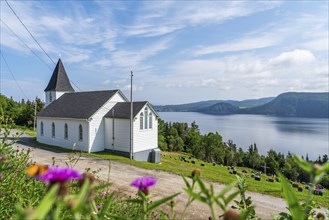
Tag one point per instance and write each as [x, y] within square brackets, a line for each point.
[1, 175]
[85, 176]
[196, 172]
[103, 195]
[231, 215]
[144, 183]
[60, 174]
[99, 207]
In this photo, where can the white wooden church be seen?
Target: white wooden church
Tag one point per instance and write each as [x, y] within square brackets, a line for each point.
[96, 120]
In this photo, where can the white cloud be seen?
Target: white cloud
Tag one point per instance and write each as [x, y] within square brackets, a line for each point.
[135, 88]
[296, 57]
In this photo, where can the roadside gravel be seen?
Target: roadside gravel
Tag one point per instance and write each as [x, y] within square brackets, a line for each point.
[121, 175]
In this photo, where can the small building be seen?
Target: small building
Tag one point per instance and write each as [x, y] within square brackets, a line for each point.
[96, 121]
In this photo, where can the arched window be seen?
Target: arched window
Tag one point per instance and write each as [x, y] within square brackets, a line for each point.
[53, 130]
[41, 128]
[150, 121]
[146, 118]
[80, 133]
[66, 131]
[141, 120]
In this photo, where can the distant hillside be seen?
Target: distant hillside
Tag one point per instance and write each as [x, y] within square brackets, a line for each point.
[221, 108]
[200, 106]
[294, 104]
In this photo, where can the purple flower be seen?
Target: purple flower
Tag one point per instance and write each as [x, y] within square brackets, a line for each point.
[60, 174]
[1, 175]
[99, 207]
[143, 183]
[103, 194]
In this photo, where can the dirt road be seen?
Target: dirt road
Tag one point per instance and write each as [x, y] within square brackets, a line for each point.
[121, 175]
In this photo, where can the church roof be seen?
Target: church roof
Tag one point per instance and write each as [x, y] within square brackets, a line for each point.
[59, 81]
[79, 105]
[122, 109]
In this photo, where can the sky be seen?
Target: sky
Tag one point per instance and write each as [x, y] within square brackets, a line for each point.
[179, 51]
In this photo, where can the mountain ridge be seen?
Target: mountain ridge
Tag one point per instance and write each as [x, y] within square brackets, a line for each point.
[289, 104]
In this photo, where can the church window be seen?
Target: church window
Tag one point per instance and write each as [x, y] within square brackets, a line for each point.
[66, 131]
[41, 128]
[80, 133]
[146, 118]
[50, 97]
[53, 130]
[150, 121]
[141, 119]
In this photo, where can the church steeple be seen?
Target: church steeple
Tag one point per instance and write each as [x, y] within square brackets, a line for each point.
[59, 83]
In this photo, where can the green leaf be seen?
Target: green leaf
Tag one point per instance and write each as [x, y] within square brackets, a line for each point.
[157, 203]
[291, 199]
[226, 189]
[303, 164]
[46, 204]
[186, 182]
[82, 197]
[231, 197]
[197, 196]
[203, 188]
[106, 205]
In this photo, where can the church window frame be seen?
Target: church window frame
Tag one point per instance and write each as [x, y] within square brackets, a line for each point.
[66, 131]
[53, 130]
[146, 118]
[141, 123]
[150, 120]
[41, 129]
[80, 133]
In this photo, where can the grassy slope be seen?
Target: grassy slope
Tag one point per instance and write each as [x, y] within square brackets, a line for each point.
[170, 163]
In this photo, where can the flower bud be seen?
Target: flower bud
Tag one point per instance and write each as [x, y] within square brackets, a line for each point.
[231, 215]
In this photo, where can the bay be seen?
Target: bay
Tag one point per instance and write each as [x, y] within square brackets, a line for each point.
[283, 134]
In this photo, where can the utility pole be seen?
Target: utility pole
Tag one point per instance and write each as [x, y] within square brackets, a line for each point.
[131, 116]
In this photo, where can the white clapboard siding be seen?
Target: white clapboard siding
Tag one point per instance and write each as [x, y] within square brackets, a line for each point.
[97, 124]
[59, 140]
[121, 141]
[145, 139]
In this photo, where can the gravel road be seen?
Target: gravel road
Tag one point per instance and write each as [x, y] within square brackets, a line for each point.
[121, 175]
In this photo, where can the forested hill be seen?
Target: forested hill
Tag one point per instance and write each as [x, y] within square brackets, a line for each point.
[292, 104]
[198, 106]
[295, 104]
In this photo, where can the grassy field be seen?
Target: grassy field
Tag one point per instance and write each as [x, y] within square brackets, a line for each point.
[170, 162]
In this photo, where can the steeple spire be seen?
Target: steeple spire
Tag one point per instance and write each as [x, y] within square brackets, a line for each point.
[58, 85]
[59, 80]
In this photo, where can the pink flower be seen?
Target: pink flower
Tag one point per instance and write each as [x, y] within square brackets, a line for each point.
[99, 207]
[60, 174]
[143, 183]
[103, 194]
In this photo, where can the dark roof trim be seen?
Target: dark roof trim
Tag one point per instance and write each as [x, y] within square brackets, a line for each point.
[78, 105]
[122, 110]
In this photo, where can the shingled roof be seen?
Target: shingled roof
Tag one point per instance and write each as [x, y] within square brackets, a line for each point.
[59, 81]
[122, 109]
[79, 105]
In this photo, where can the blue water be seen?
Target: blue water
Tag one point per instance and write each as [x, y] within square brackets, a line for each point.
[282, 134]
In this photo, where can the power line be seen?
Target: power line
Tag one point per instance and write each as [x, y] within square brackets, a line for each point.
[35, 39]
[13, 75]
[29, 31]
[13, 32]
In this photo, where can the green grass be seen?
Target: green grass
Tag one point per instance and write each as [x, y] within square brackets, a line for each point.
[170, 162]
[26, 130]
